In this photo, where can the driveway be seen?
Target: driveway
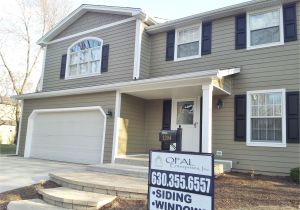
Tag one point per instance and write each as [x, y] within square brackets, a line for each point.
[16, 172]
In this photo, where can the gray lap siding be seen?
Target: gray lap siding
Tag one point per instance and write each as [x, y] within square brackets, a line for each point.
[105, 100]
[121, 40]
[266, 68]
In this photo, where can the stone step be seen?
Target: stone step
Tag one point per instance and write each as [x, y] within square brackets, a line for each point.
[75, 199]
[111, 184]
[133, 160]
[34, 204]
[121, 169]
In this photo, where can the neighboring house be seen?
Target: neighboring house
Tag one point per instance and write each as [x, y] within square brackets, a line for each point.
[113, 78]
[7, 120]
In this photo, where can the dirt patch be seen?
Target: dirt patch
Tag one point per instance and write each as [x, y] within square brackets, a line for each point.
[24, 193]
[241, 191]
[232, 191]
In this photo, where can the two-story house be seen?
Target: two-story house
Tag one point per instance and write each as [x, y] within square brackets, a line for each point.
[113, 78]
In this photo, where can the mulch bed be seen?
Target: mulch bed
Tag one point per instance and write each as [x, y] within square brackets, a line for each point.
[232, 191]
[24, 193]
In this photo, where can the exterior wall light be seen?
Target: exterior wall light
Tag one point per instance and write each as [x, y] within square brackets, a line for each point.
[109, 114]
[220, 104]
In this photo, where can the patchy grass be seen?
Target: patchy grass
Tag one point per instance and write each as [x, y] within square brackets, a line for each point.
[6, 149]
[24, 193]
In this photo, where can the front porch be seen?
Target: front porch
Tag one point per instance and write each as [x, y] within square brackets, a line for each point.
[188, 101]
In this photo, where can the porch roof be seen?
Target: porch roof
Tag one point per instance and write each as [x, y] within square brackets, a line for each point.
[179, 80]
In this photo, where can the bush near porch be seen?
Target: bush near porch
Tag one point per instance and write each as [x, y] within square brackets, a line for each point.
[6, 149]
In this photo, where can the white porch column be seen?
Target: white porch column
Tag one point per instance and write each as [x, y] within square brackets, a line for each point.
[116, 127]
[207, 118]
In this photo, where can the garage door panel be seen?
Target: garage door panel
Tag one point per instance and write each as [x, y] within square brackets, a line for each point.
[73, 136]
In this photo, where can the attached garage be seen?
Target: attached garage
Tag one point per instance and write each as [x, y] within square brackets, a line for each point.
[69, 134]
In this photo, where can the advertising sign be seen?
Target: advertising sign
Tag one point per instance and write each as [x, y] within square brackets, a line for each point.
[180, 181]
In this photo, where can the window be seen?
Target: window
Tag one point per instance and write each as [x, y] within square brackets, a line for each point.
[266, 118]
[187, 43]
[84, 58]
[265, 28]
[185, 112]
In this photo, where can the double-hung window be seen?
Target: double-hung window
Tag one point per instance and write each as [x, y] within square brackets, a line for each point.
[188, 43]
[84, 58]
[266, 118]
[265, 28]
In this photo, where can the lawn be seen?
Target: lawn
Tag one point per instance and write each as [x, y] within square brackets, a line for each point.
[7, 149]
[236, 191]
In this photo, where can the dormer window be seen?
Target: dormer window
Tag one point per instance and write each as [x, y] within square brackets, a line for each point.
[84, 58]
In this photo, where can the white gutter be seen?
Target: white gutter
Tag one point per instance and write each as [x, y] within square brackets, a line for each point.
[133, 84]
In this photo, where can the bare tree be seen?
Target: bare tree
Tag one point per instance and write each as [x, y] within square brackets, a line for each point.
[18, 36]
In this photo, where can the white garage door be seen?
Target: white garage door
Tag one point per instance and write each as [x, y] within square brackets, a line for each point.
[67, 135]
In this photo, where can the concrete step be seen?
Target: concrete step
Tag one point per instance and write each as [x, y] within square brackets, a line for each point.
[75, 199]
[34, 204]
[121, 169]
[111, 184]
[133, 160]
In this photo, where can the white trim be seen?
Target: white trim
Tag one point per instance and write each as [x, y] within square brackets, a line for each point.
[214, 14]
[281, 25]
[115, 145]
[19, 129]
[137, 48]
[159, 81]
[176, 40]
[91, 30]
[207, 93]
[30, 126]
[224, 161]
[43, 68]
[67, 77]
[283, 117]
[73, 16]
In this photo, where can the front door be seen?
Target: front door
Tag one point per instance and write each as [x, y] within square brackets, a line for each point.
[185, 112]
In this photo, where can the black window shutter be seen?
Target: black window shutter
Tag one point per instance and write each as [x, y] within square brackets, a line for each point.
[170, 45]
[63, 66]
[206, 38]
[240, 118]
[105, 55]
[166, 125]
[292, 117]
[290, 22]
[240, 31]
[166, 121]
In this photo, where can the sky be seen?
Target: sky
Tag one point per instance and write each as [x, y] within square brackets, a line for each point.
[166, 9]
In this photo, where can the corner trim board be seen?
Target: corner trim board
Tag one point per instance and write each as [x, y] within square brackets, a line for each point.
[19, 129]
[30, 126]
[137, 49]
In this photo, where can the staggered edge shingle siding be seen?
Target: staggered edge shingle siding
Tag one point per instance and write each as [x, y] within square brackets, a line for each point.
[105, 100]
[121, 41]
[88, 21]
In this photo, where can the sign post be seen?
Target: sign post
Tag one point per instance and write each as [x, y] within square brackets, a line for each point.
[181, 181]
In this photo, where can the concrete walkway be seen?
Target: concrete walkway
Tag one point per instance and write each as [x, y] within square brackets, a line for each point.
[16, 172]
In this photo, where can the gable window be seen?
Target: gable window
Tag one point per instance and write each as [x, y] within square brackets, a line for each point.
[265, 28]
[84, 58]
[188, 43]
[266, 118]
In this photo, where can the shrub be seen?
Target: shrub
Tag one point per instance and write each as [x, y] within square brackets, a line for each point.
[295, 174]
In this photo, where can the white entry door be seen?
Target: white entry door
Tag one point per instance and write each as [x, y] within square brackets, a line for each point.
[185, 112]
